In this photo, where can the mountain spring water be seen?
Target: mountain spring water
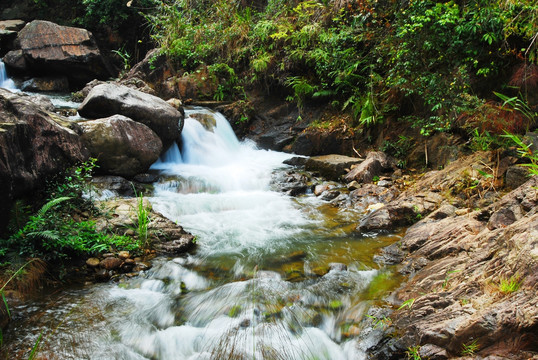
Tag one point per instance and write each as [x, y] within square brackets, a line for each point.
[251, 290]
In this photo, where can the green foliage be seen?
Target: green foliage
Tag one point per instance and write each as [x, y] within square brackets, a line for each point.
[113, 13]
[525, 151]
[75, 183]
[417, 60]
[53, 235]
[142, 221]
[470, 349]
[509, 285]
[398, 148]
[409, 303]
[413, 352]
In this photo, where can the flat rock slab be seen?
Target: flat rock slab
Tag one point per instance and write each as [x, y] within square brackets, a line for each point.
[331, 166]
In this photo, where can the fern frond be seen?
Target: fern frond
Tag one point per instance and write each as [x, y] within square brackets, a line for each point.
[51, 204]
[50, 235]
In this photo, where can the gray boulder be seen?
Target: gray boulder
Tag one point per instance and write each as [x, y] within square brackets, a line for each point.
[110, 99]
[122, 146]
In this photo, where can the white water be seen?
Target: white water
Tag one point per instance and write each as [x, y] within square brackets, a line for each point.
[231, 298]
[5, 81]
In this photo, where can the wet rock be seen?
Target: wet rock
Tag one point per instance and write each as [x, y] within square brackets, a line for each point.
[146, 178]
[390, 255]
[124, 255]
[296, 161]
[516, 176]
[117, 184]
[110, 99]
[92, 262]
[46, 84]
[142, 266]
[292, 183]
[375, 164]
[51, 49]
[321, 188]
[110, 263]
[337, 267]
[34, 144]
[330, 195]
[122, 146]
[176, 246]
[332, 167]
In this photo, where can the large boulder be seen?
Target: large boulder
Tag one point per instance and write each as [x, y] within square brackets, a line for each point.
[110, 99]
[375, 164]
[122, 146]
[332, 167]
[33, 145]
[45, 48]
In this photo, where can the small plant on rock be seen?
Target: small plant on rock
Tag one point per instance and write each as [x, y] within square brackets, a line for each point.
[470, 349]
[510, 285]
[413, 352]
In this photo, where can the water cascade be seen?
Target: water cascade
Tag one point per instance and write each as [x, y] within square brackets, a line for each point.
[5, 81]
[252, 289]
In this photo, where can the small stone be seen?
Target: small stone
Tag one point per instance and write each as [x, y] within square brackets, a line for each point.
[384, 183]
[107, 255]
[354, 185]
[130, 261]
[110, 263]
[319, 189]
[461, 212]
[124, 255]
[92, 262]
[130, 232]
[142, 266]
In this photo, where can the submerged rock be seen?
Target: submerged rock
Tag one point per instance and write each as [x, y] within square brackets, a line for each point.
[110, 99]
[122, 146]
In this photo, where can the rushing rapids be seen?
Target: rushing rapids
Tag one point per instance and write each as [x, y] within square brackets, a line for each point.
[252, 289]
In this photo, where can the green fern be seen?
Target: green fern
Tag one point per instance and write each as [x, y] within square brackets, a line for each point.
[52, 203]
[50, 235]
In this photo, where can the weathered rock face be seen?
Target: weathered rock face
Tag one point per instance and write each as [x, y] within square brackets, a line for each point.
[122, 146]
[32, 146]
[458, 263]
[45, 48]
[110, 99]
[332, 167]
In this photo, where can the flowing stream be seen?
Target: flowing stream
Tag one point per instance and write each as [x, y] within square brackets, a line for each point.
[5, 81]
[262, 283]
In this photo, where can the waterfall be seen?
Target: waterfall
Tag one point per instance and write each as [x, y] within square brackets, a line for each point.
[5, 81]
